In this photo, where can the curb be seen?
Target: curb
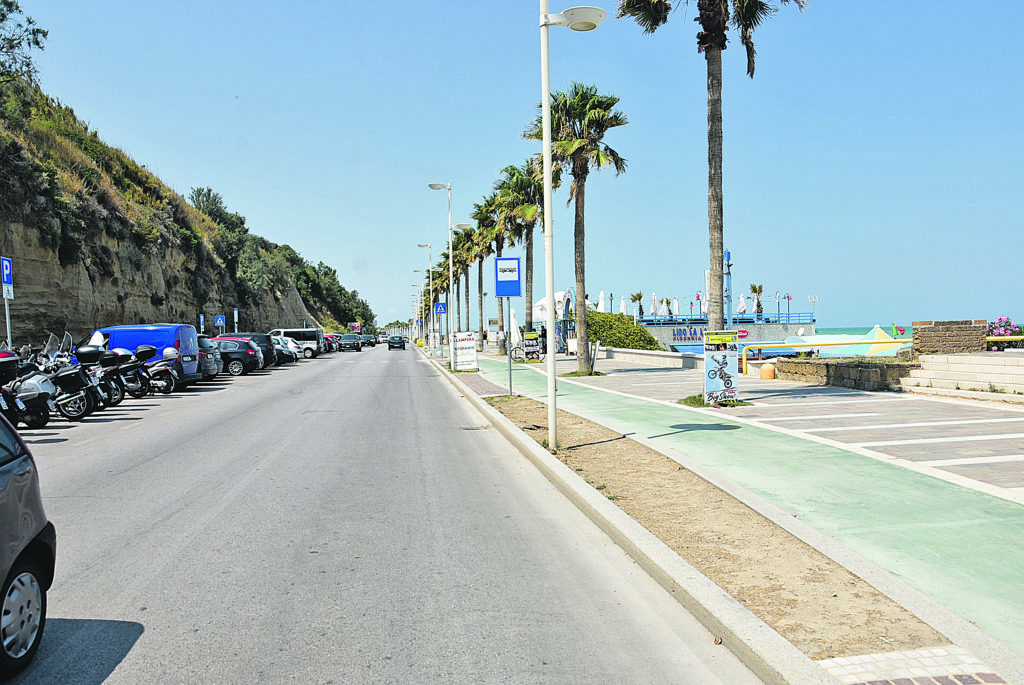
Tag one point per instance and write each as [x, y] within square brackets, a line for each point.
[770, 656]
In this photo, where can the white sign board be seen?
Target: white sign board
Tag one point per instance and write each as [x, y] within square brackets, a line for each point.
[465, 351]
[721, 366]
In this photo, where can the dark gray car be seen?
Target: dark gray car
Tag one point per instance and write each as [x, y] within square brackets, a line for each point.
[28, 548]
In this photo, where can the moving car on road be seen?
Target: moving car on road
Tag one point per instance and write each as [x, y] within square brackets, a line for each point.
[396, 341]
[367, 339]
[351, 341]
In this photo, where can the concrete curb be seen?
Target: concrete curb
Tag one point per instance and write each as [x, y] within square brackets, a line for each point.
[770, 656]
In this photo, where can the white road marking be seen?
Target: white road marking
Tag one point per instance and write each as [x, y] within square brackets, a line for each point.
[817, 417]
[929, 441]
[921, 424]
[972, 460]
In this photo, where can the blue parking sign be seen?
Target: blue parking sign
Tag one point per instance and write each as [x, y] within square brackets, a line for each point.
[7, 270]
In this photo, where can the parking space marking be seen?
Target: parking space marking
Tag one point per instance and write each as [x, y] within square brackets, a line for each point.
[973, 460]
[804, 404]
[816, 417]
[929, 441]
[920, 424]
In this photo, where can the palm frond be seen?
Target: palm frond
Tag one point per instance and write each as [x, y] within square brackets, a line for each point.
[649, 14]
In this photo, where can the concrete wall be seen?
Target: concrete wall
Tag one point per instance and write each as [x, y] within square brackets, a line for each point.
[653, 359]
[844, 373]
[692, 335]
[949, 337]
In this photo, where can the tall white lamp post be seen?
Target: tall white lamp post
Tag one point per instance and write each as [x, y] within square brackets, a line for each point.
[577, 19]
[430, 276]
[451, 270]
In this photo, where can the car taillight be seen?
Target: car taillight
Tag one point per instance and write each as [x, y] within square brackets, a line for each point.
[177, 345]
[251, 352]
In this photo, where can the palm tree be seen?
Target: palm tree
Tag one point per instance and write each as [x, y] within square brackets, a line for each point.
[465, 255]
[521, 195]
[757, 291]
[714, 16]
[483, 241]
[635, 298]
[487, 215]
[579, 121]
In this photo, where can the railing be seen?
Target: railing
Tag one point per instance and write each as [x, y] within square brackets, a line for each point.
[737, 319]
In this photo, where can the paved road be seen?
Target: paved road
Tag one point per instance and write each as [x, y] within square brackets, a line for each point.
[927, 489]
[345, 520]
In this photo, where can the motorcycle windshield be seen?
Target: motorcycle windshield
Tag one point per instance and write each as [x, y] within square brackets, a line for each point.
[66, 344]
[50, 348]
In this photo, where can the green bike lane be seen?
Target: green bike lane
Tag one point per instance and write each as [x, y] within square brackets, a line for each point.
[958, 546]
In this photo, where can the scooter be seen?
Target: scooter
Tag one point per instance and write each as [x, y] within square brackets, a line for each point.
[163, 377]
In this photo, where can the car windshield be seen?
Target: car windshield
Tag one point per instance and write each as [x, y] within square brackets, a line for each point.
[350, 336]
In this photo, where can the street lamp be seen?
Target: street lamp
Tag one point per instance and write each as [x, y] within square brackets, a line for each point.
[451, 270]
[430, 272]
[577, 19]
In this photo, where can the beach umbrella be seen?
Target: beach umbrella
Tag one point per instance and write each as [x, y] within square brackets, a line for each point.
[654, 304]
[663, 310]
[675, 305]
[622, 305]
[515, 337]
[600, 302]
[742, 307]
[704, 306]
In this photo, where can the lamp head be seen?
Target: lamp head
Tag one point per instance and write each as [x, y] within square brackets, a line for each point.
[463, 227]
[438, 186]
[584, 18]
[424, 245]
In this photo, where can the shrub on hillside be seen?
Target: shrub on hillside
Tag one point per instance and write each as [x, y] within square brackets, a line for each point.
[617, 330]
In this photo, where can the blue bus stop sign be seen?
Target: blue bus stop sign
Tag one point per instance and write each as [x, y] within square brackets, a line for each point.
[507, 280]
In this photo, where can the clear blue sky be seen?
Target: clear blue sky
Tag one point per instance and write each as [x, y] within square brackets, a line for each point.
[874, 160]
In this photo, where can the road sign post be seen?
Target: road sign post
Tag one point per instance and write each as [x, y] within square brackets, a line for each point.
[8, 282]
[508, 284]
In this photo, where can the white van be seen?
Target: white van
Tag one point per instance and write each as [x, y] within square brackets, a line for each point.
[310, 339]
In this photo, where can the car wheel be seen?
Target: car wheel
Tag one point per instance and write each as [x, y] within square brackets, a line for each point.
[24, 617]
[236, 368]
[307, 353]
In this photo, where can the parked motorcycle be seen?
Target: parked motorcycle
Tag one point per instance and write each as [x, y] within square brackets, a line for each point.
[163, 377]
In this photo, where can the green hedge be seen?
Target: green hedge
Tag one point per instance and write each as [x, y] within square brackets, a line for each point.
[617, 330]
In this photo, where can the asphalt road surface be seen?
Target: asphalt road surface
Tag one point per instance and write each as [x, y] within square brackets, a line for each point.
[347, 519]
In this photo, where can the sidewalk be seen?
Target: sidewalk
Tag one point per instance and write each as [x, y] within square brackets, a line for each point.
[949, 526]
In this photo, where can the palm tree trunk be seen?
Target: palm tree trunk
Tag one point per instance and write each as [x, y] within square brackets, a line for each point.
[457, 319]
[716, 318]
[501, 309]
[480, 303]
[466, 295]
[528, 315]
[583, 362]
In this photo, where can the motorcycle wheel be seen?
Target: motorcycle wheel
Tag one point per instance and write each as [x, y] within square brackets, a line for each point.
[36, 417]
[139, 387]
[115, 392]
[77, 409]
[165, 382]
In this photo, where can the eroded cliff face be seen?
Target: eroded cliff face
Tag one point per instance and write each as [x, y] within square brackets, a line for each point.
[113, 282]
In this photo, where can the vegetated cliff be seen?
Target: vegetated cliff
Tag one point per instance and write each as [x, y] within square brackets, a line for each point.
[97, 240]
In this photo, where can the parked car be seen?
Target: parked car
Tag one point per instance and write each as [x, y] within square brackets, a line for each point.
[210, 362]
[265, 344]
[396, 341]
[284, 355]
[28, 550]
[289, 345]
[240, 355]
[311, 339]
[181, 336]
[330, 342]
[368, 340]
[351, 341]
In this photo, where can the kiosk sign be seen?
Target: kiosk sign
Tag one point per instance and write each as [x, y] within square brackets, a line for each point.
[721, 366]
[465, 351]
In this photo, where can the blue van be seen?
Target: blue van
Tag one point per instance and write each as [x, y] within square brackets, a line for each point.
[180, 336]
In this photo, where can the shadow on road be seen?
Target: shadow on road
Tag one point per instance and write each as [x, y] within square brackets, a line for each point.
[690, 427]
[81, 651]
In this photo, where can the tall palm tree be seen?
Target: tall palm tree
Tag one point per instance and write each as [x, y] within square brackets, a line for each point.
[465, 255]
[634, 298]
[487, 216]
[483, 241]
[580, 119]
[521, 195]
[714, 16]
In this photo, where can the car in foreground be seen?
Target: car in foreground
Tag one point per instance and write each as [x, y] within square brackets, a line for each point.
[28, 551]
[351, 341]
[396, 341]
[240, 355]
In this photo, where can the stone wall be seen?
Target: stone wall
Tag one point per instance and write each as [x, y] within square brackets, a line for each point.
[949, 337]
[846, 373]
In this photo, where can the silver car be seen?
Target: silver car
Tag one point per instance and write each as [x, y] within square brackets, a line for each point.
[28, 549]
